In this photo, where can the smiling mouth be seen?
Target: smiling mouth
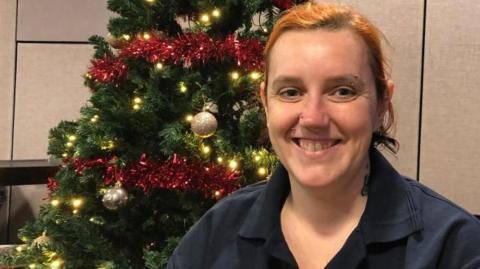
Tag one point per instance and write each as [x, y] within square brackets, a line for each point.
[315, 145]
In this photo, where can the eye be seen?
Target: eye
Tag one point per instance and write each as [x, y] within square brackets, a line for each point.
[289, 93]
[343, 94]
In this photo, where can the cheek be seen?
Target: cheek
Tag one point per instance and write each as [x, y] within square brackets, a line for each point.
[280, 118]
[358, 120]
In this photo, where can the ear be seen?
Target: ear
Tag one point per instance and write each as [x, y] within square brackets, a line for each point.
[263, 95]
[385, 103]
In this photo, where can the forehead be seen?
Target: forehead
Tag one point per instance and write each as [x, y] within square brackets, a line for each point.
[319, 50]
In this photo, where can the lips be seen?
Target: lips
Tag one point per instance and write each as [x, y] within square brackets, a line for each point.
[310, 145]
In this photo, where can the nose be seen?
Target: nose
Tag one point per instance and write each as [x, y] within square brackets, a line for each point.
[314, 114]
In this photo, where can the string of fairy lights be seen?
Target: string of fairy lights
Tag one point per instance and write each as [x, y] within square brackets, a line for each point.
[75, 204]
[138, 103]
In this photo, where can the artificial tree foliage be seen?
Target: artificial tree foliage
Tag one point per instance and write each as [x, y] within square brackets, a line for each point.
[163, 63]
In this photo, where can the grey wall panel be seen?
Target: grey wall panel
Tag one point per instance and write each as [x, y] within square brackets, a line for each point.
[49, 89]
[4, 210]
[25, 205]
[7, 70]
[402, 24]
[450, 147]
[61, 20]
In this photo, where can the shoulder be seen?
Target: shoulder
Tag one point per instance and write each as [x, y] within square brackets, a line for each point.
[236, 205]
[245, 194]
[435, 206]
[448, 229]
[231, 209]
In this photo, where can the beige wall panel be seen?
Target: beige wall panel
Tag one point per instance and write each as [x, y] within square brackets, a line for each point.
[25, 205]
[402, 24]
[7, 70]
[49, 89]
[450, 147]
[61, 20]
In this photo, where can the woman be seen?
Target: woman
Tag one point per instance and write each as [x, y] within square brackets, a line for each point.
[334, 202]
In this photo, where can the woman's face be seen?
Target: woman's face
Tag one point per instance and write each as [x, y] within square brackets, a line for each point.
[321, 105]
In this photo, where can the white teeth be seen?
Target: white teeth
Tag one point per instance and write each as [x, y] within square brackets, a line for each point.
[314, 146]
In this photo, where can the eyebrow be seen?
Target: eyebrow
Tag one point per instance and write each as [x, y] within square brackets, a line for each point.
[334, 80]
[281, 80]
[350, 78]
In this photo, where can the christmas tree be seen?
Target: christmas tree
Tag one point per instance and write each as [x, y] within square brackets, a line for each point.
[172, 126]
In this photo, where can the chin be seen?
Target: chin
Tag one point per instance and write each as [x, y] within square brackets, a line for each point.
[313, 177]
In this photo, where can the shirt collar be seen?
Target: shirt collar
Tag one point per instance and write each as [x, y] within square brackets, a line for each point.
[391, 212]
[264, 215]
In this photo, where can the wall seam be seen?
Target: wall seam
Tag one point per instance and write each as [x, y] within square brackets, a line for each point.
[422, 70]
[53, 42]
[13, 118]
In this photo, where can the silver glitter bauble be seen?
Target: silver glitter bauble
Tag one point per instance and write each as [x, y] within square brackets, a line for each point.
[115, 198]
[204, 124]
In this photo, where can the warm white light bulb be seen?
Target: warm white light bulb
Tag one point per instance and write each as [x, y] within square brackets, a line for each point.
[56, 264]
[262, 171]
[77, 202]
[205, 18]
[234, 75]
[216, 13]
[159, 66]
[206, 149]
[255, 75]
[233, 164]
[55, 202]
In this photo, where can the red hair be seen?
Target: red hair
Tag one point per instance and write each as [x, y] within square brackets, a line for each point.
[334, 17]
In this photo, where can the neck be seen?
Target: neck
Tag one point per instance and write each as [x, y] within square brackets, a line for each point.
[328, 208]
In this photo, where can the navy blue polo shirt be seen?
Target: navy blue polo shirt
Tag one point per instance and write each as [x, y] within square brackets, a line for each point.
[404, 225]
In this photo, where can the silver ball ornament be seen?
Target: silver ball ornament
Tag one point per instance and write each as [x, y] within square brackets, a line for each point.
[204, 124]
[115, 198]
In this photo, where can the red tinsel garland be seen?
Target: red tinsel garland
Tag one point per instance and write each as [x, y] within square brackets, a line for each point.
[175, 173]
[196, 48]
[247, 52]
[283, 4]
[193, 49]
[52, 184]
[108, 70]
[187, 49]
